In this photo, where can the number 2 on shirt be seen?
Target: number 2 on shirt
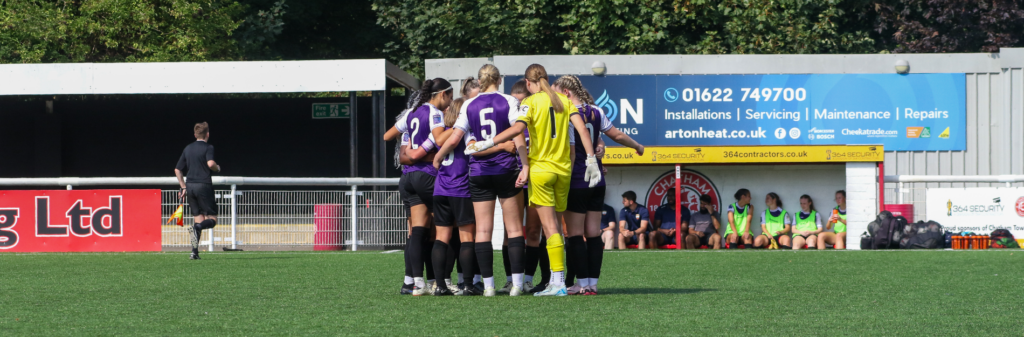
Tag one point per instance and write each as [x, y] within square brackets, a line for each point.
[415, 126]
[552, 111]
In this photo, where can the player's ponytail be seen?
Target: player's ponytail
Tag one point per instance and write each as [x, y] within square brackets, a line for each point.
[431, 88]
[778, 201]
[488, 76]
[573, 84]
[536, 73]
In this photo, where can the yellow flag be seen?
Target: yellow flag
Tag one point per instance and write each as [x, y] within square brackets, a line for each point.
[179, 214]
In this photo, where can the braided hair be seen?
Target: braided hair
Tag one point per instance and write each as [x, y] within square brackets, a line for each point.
[430, 88]
[573, 84]
[414, 97]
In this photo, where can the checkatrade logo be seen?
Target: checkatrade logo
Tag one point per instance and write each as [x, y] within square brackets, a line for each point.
[606, 103]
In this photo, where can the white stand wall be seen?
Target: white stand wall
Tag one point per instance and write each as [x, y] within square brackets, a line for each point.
[861, 200]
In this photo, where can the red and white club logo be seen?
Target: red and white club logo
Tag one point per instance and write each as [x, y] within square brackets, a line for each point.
[1019, 206]
[691, 185]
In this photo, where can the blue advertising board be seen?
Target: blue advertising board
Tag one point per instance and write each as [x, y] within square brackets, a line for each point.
[913, 112]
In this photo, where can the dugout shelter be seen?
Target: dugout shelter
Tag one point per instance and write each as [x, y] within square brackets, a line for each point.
[793, 124]
[88, 119]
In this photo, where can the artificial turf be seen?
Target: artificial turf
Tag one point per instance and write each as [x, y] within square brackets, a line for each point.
[641, 293]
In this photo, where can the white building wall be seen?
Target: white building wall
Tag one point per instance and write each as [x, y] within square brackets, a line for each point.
[861, 200]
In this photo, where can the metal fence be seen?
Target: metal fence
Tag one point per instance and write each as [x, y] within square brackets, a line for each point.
[290, 218]
[917, 195]
[332, 219]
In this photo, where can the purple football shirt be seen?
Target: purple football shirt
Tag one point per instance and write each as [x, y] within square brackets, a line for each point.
[453, 176]
[597, 123]
[418, 125]
[483, 117]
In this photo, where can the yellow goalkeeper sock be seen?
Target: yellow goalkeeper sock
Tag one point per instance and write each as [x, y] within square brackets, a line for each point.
[556, 253]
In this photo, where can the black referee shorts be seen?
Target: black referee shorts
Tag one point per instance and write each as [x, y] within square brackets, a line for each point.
[418, 190]
[201, 199]
[582, 200]
[449, 211]
[487, 188]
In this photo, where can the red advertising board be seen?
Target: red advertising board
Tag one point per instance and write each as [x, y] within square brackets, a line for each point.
[80, 221]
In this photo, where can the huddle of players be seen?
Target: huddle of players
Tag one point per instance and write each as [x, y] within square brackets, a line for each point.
[790, 230]
[460, 155]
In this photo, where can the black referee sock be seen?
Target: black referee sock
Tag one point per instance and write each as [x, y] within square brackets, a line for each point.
[415, 250]
[516, 248]
[467, 257]
[595, 256]
[485, 258]
[440, 255]
[579, 252]
[208, 223]
[531, 256]
[198, 234]
[505, 260]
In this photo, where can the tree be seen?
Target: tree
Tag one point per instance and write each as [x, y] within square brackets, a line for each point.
[948, 26]
[477, 28]
[35, 31]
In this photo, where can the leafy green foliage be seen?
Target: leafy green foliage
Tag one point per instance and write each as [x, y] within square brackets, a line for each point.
[33, 31]
[949, 26]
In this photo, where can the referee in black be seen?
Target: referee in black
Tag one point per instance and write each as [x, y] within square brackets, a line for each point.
[197, 163]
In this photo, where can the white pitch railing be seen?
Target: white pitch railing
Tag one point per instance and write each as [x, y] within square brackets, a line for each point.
[917, 195]
[234, 182]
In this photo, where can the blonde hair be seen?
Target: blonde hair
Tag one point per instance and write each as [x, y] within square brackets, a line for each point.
[573, 84]
[536, 73]
[488, 76]
[452, 113]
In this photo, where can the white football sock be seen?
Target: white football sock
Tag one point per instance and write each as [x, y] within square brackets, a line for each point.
[593, 282]
[517, 280]
[558, 278]
[488, 283]
[584, 282]
[408, 280]
[476, 278]
[419, 282]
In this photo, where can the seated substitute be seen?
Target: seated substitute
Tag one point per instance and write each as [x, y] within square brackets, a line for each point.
[633, 219]
[664, 222]
[704, 226]
[776, 224]
[608, 226]
[808, 224]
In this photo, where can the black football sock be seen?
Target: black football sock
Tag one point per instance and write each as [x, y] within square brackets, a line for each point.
[485, 258]
[578, 250]
[785, 247]
[208, 223]
[595, 256]
[570, 263]
[505, 260]
[453, 252]
[408, 257]
[545, 266]
[734, 245]
[440, 255]
[531, 256]
[516, 247]
[467, 257]
[416, 251]
[428, 244]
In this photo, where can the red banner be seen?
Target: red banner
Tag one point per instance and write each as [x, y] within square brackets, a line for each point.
[80, 221]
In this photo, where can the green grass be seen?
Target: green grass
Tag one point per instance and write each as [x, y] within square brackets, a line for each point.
[642, 293]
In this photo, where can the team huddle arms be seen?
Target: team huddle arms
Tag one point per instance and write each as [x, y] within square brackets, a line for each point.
[464, 157]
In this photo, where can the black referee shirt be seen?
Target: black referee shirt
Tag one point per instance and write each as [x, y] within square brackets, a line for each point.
[193, 162]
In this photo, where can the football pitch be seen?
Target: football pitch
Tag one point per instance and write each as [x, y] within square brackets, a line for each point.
[642, 293]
